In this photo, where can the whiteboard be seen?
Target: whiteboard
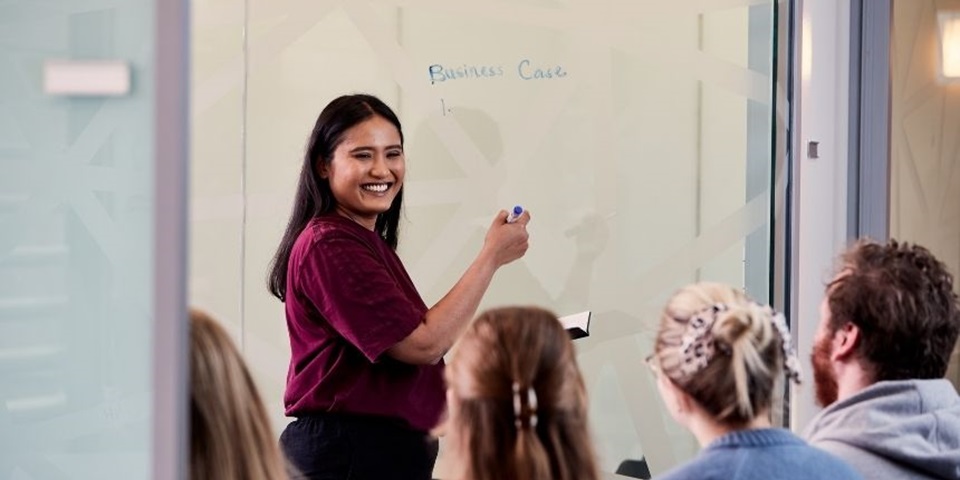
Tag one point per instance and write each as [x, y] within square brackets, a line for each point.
[637, 133]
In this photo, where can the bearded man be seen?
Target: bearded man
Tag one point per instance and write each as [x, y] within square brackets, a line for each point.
[888, 325]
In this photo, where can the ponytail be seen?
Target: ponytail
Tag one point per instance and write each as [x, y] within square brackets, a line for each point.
[530, 456]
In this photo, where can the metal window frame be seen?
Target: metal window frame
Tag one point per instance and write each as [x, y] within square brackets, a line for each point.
[866, 158]
[171, 131]
[784, 238]
[868, 207]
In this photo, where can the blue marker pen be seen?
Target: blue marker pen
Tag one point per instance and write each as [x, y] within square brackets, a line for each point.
[515, 214]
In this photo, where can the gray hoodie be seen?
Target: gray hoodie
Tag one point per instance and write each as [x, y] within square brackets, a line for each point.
[905, 429]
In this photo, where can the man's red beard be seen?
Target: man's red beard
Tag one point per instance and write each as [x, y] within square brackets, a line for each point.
[825, 382]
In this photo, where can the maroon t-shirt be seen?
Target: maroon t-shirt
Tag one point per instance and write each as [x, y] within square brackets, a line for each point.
[348, 301]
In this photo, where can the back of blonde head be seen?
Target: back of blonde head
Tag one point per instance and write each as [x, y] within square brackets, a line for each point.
[230, 434]
[738, 382]
[519, 406]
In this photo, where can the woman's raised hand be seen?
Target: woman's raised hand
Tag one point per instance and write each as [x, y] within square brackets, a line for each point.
[506, 242]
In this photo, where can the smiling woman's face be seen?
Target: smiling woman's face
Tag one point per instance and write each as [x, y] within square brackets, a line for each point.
[366, 171]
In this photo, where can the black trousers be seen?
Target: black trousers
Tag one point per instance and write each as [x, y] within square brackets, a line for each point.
[331, 446]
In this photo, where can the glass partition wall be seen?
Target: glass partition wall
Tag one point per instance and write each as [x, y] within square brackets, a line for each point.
[79, 206]
[644, 137]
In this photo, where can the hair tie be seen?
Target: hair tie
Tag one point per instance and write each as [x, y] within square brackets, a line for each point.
[697, 346]
[518, 406]
[790, 362]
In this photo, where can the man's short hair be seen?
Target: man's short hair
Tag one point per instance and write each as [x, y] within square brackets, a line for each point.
[902, 300]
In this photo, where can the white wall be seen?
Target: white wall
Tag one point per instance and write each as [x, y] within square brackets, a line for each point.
[821, 191]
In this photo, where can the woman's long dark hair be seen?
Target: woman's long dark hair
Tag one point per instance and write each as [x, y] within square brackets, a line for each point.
[314, 197]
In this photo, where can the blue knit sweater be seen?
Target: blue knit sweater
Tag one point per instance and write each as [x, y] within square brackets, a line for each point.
[762, 454]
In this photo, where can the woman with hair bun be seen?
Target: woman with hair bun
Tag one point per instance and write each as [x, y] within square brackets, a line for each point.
[517, 402]
[719, 359]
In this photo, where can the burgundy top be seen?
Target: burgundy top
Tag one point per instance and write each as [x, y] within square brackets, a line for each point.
[348, 301]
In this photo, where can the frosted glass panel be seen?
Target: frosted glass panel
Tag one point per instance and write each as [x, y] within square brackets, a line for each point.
[640, 134]
[76, 246]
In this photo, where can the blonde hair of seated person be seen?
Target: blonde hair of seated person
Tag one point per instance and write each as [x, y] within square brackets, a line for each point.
[230, 433]
[725, 351]
[517, 401]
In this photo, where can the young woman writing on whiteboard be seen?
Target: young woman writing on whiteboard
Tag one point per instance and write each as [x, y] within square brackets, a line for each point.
[365, 381]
